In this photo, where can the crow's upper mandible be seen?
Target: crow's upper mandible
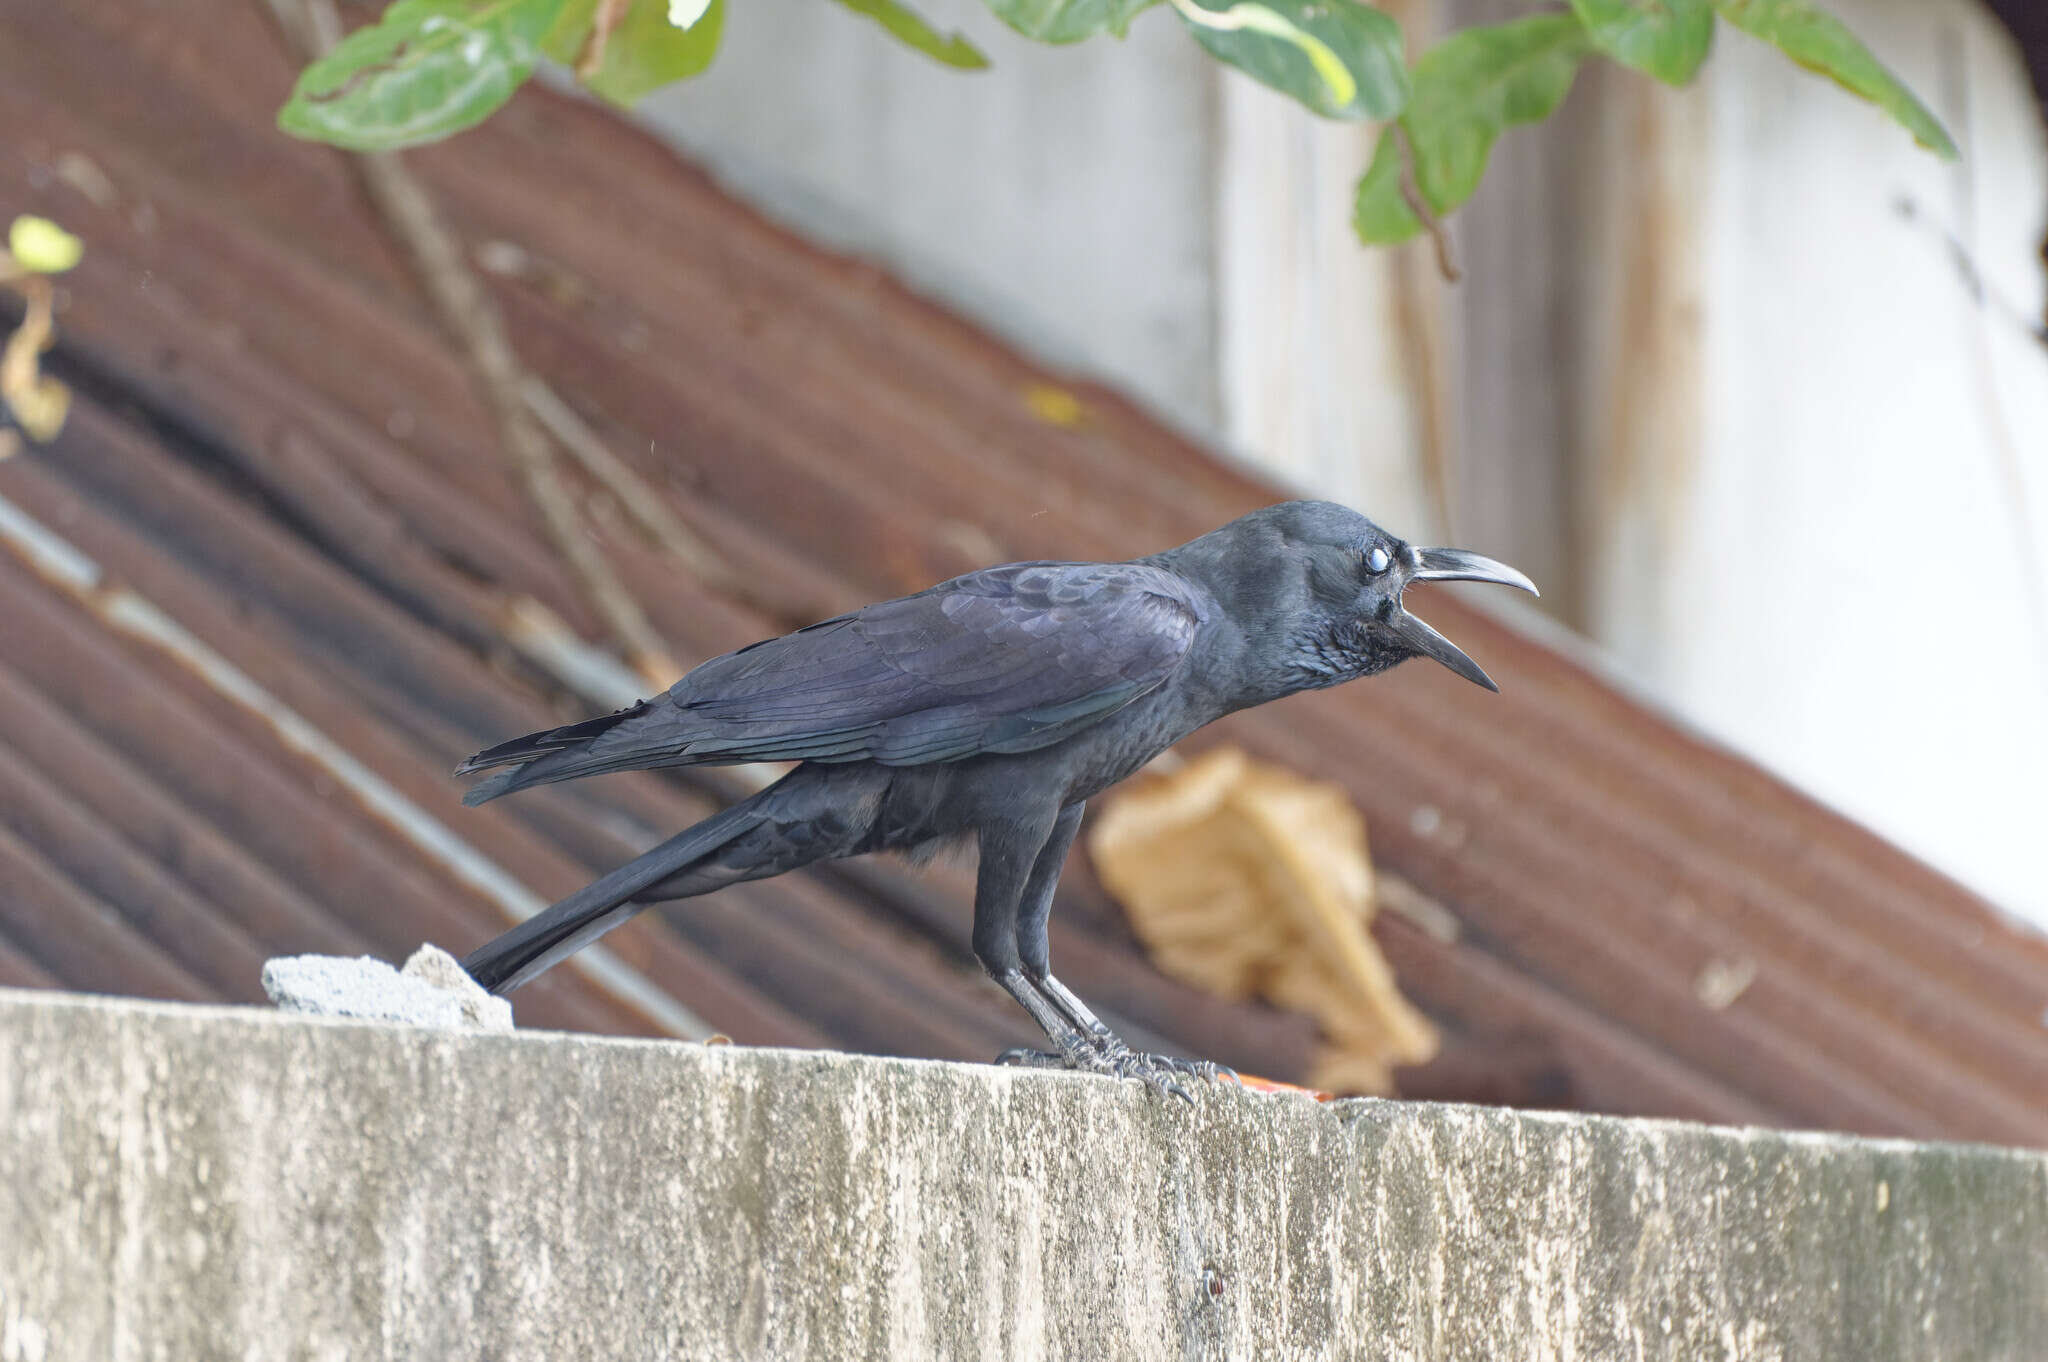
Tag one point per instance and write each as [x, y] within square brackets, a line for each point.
[992, 705]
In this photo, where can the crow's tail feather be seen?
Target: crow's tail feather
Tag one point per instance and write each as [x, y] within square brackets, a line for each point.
[504, 781]
[508, 961]
[525, 757]
[531, 745]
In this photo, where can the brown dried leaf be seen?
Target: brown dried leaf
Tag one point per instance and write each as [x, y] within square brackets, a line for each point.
[1243, 877]
[39, 403]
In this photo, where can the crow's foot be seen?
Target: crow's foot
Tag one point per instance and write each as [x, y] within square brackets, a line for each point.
[1123, 1063]
[1084, 1044]
[1108, 1042]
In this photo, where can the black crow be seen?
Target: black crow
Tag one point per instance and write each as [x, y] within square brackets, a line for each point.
[994, 706]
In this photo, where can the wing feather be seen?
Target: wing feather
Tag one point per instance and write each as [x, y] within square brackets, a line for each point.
[1005, 660]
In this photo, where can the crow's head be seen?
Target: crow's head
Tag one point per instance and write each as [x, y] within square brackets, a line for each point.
[1321, 586]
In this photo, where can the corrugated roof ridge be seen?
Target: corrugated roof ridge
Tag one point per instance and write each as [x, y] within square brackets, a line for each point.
[80, 939]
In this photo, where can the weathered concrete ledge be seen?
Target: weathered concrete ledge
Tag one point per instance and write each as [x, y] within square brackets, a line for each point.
[198, 1183]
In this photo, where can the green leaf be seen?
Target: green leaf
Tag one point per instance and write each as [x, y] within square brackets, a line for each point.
[1667, 39]
[428, 69]
[1468, 89]
[565, 37]
[1341, 58]
[908, 26]
[1069, 21]
[643, 52]
[1819, 42]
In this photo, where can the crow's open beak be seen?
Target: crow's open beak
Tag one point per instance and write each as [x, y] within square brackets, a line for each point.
[1453, 565]
[1456, 565]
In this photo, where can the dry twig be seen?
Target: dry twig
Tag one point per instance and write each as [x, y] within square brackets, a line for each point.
[640, 500]
[591, 60]
[657, 520]
[468, 311]
[1411, 194]
[470, 315]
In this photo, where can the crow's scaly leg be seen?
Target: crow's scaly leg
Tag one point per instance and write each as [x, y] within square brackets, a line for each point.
[1103, 1052]
[1034, 905]
[1009, 853]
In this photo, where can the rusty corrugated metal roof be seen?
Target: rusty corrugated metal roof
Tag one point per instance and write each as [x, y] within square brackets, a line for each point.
[277, 457]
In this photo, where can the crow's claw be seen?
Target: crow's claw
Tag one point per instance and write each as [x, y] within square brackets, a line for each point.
[1206, 1070]
[1162, 1078]
[1154, 1069]
[1129, 1063]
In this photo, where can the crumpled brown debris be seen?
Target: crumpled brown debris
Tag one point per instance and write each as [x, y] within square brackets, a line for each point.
[1243, 878]
[35, 249]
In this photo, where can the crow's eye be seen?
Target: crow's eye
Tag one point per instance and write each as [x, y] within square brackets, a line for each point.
[1376, 561]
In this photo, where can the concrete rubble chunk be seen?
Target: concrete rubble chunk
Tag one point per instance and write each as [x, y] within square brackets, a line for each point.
[432, 990]
[189, 1182]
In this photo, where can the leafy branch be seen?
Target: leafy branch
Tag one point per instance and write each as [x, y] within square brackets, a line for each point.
[430, 68]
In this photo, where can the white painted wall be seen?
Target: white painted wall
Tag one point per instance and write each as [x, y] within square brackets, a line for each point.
[1855, 592]
[1063, 194]
[1318, 340]
[1703, 361]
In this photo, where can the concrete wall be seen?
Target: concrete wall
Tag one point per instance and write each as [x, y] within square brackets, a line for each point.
[195, 1183]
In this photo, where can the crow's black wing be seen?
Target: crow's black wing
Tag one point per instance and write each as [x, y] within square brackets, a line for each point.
[1004, 660]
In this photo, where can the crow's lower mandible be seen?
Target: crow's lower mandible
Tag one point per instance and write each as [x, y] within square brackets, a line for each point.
[993, 705]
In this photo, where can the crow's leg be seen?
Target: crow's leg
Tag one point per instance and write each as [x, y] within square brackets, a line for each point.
[1009, 853]
[1012, 855]
[1034, 945]
[1103, 1052]
[1034, 911]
